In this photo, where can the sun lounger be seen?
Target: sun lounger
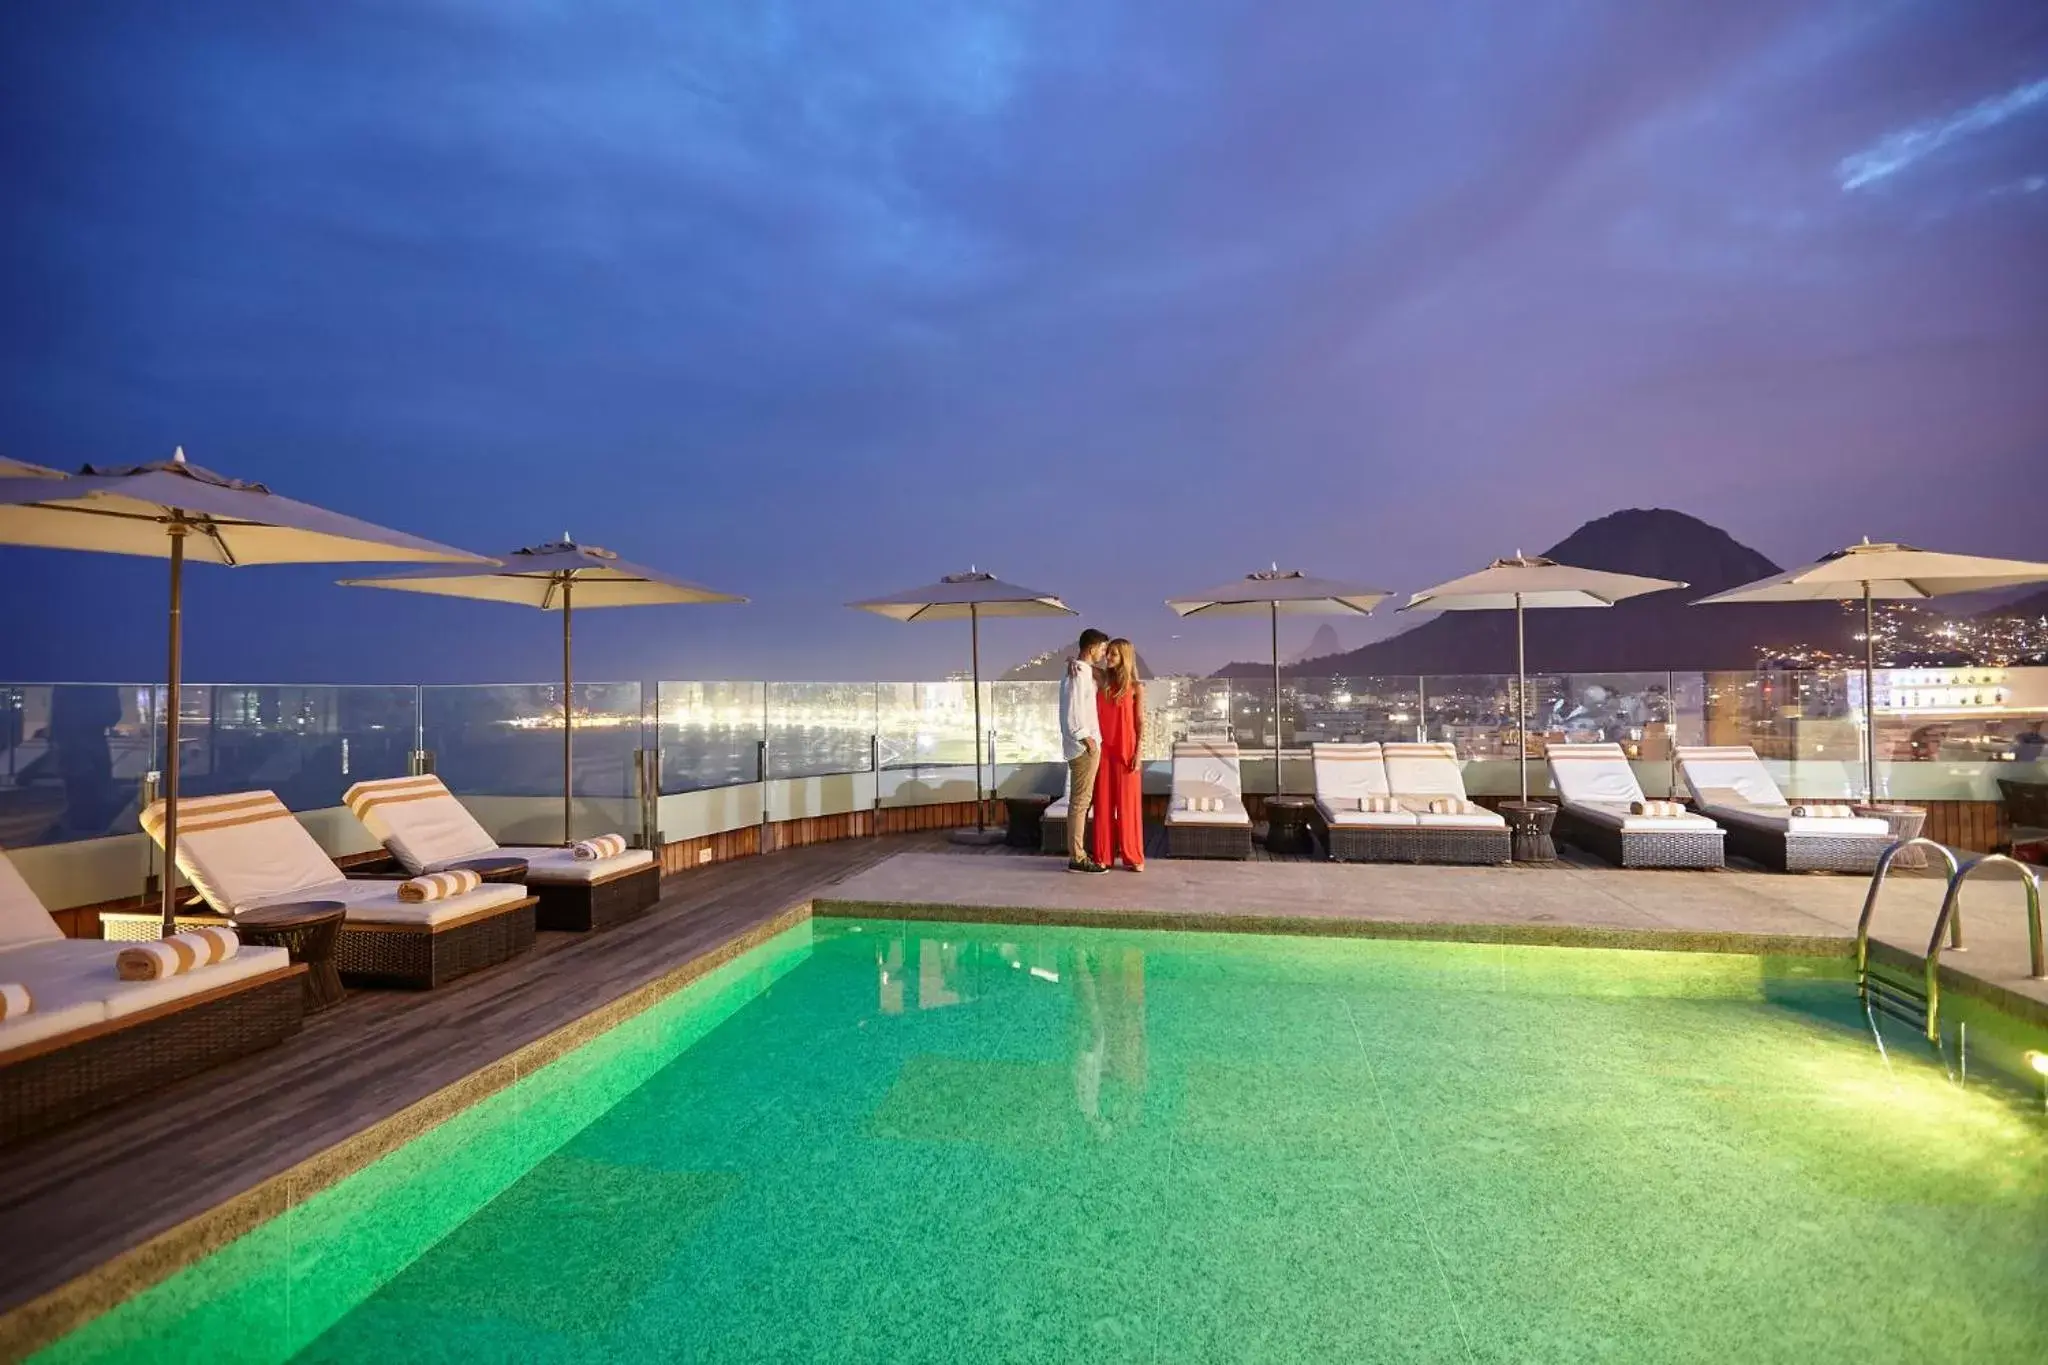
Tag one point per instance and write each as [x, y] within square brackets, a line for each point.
[246, 850]
[1205, 814]
[1350, 779]
[426, 829]
[1730, 784]
[1426, 774]
[1596, 789]
[90, 1039]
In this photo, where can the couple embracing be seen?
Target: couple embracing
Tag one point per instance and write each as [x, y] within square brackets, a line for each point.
[1102, 721]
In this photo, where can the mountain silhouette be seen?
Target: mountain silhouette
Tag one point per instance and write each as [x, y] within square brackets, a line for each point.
[1321, 645]
[1657, 631]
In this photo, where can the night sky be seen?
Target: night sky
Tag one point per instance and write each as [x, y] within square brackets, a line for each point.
[813, 301]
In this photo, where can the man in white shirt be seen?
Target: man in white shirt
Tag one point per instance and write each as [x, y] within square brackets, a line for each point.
[1081, 737]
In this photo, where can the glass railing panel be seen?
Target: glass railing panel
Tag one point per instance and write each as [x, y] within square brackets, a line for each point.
[1361, 710]
[1179, 707]
[815, 729]
[928, 724]
[1027, 722]
[72, 760]
[505, 739]
[308, 744]
[710, 734]
[1477, 712]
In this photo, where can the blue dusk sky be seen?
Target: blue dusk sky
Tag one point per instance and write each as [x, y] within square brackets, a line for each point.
[815, 300]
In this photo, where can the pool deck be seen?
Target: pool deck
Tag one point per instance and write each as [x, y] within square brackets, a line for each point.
[88, 1214]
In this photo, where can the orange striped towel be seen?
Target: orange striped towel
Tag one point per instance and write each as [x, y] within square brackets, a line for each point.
[436, 886]
[1450, 805]
[1820, 812]
[15, 1000]
[1368, 805]
[177, 954]
[1661, 808]
[603, 846]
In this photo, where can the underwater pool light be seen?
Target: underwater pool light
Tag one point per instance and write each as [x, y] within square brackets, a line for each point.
[2038, 1061]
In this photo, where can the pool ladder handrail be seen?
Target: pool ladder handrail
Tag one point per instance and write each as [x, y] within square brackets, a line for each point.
[1947, 924]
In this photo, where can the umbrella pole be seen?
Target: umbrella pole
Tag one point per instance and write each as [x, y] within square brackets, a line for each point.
[568, 730]
[1279, 788]
[1869, 699]
[173, 670]
[1521, 699]
[974, 627]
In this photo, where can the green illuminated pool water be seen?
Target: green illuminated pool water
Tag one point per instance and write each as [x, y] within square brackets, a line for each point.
[878, 1141]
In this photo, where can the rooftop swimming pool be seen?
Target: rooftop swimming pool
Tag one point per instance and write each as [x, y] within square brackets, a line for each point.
[874, 1140]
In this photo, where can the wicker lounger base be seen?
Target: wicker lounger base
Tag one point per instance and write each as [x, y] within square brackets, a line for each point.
[1209, 841]
[584, 906]
[421, 959]
[1360, 844]
[109, 1063]
[1781, 852]
[1662, 848]
[1052, 834]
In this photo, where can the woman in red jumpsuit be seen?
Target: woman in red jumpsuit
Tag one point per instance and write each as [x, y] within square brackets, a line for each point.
[1119, 795]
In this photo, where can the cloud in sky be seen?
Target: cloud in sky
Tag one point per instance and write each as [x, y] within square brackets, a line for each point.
[810, 300]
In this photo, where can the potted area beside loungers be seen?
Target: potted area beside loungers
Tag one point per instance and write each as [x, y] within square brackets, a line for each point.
[80, 1029]
[246, 850]
[1730, 784]
[1601, 809]
[426, 829]
[1402, 803]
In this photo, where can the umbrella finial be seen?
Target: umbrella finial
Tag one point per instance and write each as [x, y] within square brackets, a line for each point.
[178, 455]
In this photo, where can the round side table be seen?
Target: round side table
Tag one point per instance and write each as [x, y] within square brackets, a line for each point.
[1025, 821]
[1287, 824]
[497, 868]
[1906, 822]
[1529, 825]
[308, 931]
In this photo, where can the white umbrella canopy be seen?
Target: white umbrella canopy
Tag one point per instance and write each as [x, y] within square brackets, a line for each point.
[22, 469]
[558, 576]
[174, 510]
[1882, 571]
[968, 597]
[1525, 581]
[1274, 593]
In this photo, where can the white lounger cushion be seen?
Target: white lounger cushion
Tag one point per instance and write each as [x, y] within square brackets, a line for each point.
[1423, 770]
[1206, 771]
[1476, 818]
[1730, 782]
[419, 820]
[245, 849]
[1337, 814]
[74, 971]
[1616, 815]
[1349, 772]
[377, 902]
[22, 916]
[560, 865]
[1593, 774]
[1782, 820]
[1729, 768]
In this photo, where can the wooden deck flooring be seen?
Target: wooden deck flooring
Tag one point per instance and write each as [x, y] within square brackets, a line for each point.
[74, 1198]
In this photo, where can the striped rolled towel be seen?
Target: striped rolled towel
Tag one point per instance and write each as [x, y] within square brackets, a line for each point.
[1450, 805]
[1823, 812]
[177, 954]
[15, 1000]
[1666, 809]
[438, 886]
[595, 850]
[1371, 805]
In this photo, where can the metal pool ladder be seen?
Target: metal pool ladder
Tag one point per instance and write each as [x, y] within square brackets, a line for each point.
[1919, 1003]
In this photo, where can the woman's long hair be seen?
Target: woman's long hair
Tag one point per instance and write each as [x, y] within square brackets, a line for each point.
[1119, 668]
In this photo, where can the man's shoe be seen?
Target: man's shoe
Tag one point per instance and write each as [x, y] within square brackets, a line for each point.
[1086, 865]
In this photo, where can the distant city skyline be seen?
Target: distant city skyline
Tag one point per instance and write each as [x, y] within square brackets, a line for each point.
[811, 302]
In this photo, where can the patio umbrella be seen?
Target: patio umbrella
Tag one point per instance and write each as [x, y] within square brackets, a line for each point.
[1881, 572]
[559, 576]
[176, 510]
[22, 469]
[968, 596]
[1274, 593]
[1532, 581]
